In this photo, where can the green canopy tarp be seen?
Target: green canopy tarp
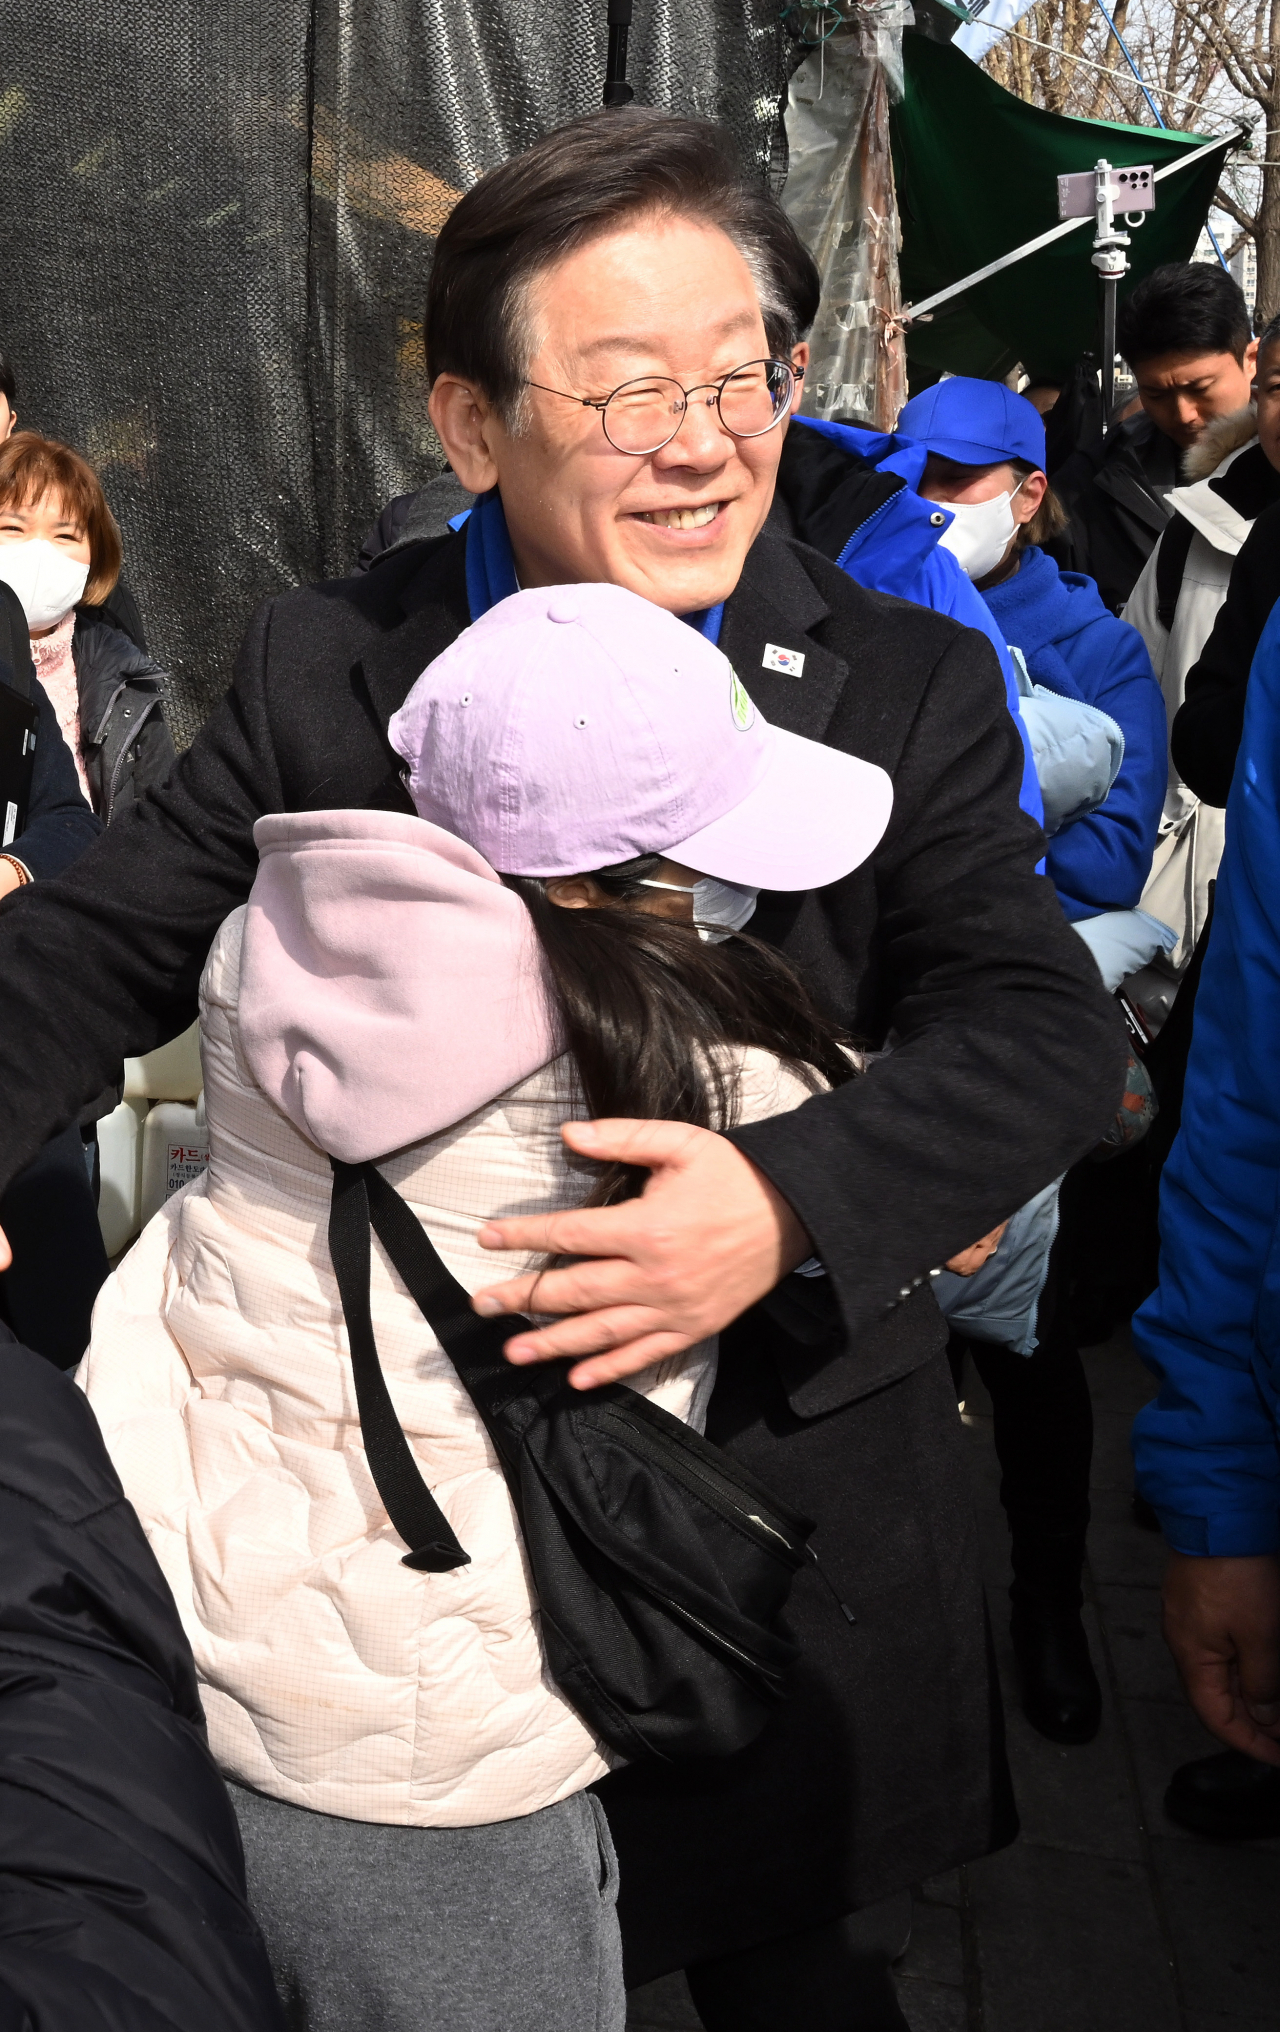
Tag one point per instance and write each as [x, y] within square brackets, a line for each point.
[977, 172]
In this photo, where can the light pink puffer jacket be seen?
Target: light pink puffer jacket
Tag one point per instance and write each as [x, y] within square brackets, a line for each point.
[332, 1676]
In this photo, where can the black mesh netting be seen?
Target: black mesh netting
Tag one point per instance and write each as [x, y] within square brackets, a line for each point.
[216, 223]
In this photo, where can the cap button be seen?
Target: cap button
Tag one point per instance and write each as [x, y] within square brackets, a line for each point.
[564, 606]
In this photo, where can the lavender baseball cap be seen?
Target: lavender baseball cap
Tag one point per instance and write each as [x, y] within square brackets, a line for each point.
[573, 727]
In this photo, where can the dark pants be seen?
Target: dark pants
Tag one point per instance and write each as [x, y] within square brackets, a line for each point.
[832, 1978]
[51, 1219]
[1043, 1418]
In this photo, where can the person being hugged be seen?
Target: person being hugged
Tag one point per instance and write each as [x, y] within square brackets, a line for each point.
[552, 938]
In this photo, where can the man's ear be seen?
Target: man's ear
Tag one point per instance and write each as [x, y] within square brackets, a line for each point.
[464, 425]
[800, 365]
[1250, 360]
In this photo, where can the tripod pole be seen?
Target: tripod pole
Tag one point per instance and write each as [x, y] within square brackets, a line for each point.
[1110, 283]
[617, 92]
[1109, 258]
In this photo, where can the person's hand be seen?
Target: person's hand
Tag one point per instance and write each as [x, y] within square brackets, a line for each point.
[970, 1260]
[6, 1253]
[708, 1236]
[1222, 1624]
[9, 878]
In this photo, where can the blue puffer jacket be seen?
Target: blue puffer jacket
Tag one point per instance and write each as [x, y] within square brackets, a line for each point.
[1075, 647]
[1208, 1448]
[895, 550]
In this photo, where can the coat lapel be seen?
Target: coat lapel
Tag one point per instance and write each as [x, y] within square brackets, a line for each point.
[433, 603]
[777, 606]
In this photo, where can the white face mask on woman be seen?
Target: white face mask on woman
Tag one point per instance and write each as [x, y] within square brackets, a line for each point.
[719, 908]
[46, 580]
[979, 536]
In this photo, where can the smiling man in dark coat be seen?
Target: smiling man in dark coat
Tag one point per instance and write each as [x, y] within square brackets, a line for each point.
[627, 249]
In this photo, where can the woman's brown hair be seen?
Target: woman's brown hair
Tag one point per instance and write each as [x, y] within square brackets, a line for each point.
[31, 467]
[1050, 518]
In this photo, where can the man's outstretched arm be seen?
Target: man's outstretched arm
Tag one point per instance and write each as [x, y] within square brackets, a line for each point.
[104, 961]
[1008, 1064]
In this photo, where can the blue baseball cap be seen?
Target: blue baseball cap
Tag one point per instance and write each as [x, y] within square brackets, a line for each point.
[977, 423]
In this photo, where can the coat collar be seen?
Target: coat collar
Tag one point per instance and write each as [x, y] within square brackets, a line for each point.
[427, 610]
[776, 605]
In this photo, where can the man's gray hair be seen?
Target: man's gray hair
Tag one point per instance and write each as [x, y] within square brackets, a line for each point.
[571, 187]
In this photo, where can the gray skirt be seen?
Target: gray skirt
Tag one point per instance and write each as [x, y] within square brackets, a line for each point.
[510, 1927]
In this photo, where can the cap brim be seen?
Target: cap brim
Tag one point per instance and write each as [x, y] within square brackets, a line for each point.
[966, 453]
[815, 815]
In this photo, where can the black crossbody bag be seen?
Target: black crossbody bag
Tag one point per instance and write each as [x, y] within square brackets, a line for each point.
[661, 1567]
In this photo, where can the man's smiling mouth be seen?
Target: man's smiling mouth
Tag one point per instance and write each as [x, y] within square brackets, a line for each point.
[682, 518]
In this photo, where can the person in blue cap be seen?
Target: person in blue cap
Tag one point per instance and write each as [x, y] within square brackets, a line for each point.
[984, 464]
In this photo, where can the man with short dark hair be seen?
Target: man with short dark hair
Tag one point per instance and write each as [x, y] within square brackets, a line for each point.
[1231, 481]
[1185, 332]
[609, 347]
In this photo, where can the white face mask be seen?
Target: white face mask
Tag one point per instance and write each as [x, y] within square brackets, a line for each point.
[719, 908]
[46, 580]
[979, 536]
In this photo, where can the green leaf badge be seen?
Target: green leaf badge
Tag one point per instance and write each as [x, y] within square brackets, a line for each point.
[740, 703]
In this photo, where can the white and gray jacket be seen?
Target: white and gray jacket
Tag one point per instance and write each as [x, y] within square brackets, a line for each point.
[1174, 606]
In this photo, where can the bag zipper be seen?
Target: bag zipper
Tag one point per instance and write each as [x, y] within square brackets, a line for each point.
[698, 1483]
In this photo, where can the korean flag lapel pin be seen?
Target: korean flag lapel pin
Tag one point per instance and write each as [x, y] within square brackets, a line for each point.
[789, 661]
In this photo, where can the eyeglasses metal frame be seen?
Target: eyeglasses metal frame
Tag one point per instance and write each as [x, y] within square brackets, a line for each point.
[795, 377]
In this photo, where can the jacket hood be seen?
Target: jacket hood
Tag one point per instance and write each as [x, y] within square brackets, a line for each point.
[851, 494]
[390, 985]
[1238, 485]
[1221, 436]
[1042, 606]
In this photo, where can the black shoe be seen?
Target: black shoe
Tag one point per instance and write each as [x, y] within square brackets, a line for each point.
[1231, 1796]
[1060, 1692]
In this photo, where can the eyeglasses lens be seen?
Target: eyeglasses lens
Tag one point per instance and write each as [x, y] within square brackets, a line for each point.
[753, 398]
[644, 415]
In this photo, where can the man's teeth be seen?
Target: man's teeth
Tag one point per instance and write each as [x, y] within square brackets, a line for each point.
[683, 518]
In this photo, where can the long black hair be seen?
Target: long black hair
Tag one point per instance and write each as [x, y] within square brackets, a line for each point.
[649, 1012]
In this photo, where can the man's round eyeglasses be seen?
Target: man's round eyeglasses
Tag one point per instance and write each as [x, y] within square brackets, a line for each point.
[643, 415]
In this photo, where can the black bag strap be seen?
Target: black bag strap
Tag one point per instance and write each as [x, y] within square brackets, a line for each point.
[1171, 564]
[474, 1345]
[408, 1501]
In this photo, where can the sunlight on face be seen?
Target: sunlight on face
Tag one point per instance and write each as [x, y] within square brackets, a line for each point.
[47, 518]
[662, 296]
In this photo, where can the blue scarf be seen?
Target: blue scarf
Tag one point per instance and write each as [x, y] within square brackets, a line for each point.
[491, 568]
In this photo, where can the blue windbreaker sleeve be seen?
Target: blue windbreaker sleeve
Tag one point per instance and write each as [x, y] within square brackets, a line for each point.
[1102, 862]
[945, 587]
[1208, 1448]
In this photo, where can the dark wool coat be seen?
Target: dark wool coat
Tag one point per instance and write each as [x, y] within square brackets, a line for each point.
[59, 823]
[1008, 1064]
[122, 1893]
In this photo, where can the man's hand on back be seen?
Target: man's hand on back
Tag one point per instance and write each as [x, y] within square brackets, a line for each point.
[1222, 1624]
[708, 1237]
